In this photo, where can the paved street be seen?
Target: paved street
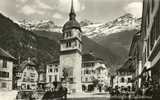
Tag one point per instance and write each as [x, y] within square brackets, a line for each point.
[103, 96]
[107, 98]
[89, 96]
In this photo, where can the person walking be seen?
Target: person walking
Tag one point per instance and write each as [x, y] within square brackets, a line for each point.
[156, 92]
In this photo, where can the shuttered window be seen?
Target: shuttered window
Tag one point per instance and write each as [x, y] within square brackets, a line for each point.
[4, 74]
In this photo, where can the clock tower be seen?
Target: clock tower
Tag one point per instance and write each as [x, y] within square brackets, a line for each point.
[70, 52]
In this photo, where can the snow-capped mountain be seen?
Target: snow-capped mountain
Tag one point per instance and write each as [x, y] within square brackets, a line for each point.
[43, 25]
[90, 29]
[122, 23]
[86, 22]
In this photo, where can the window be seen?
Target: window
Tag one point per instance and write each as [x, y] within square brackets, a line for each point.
[75, 43]
[25, 79]
[25, 74]
[129, 80]
[79, 34]
[33, 85]
[50, 70]
[86, 79]
[55, 78]
[4, 74]
[56, 70]
[32, 74]
[68, 34]
[79, 45]
[122, 80]
[32, 80]
[87, 71]
[4, 63]
[4, 85]
[68, 44]
[50, 78]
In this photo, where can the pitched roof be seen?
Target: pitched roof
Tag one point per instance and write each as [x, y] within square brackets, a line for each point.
[5, 54]
[90, 57]
[24, 64]
[42, 68]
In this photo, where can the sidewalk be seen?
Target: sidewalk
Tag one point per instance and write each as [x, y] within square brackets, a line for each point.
[131, 97]
[8, 95]
[88, 95]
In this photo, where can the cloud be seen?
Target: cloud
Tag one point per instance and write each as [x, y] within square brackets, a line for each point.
[64, 5]
[42, 5]
[29, 10]
[57, 16]
[22, 1]
[134, 8]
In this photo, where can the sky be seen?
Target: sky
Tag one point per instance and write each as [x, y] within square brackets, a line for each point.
[57, 10]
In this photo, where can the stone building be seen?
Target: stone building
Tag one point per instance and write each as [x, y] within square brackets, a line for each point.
[150, 29]
[135, 54]
[123, 79]
[28, 75]
[70, 52]
[6, 70]
[93, 68]
[53, 73]
[41, 76]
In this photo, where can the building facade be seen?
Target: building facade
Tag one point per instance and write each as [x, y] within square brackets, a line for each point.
[28, 76]
[70, 52]
[151, 45]
[93, 68]
[53, 73]
[41, 77]
[123, 79]
[6, 70]
[135, 54]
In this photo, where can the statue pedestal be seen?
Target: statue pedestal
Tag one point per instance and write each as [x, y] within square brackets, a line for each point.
[74, 87]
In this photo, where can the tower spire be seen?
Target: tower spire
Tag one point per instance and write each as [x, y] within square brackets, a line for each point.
[72, 14]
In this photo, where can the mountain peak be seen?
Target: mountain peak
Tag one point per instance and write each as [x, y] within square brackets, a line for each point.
[86, 22]
[122, 23]
[127, 15]
[43, 25]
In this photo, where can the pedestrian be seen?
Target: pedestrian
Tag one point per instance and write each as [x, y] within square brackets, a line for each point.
[156, 92]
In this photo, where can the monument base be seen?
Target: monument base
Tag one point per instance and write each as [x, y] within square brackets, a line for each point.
[74, 87]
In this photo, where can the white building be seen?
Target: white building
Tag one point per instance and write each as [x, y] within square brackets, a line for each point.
[53, 73]
[28, 76]
[41, 77]
[6, 70]
[93, 68]
[123, 78]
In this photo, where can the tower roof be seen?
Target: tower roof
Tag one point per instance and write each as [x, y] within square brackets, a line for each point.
[72, 23]
[72, 14]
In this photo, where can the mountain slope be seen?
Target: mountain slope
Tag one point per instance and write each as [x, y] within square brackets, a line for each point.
[119, 43]
[22, 43]
[115, 35]
[122, 23]
[88, 45]
[110, 40]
